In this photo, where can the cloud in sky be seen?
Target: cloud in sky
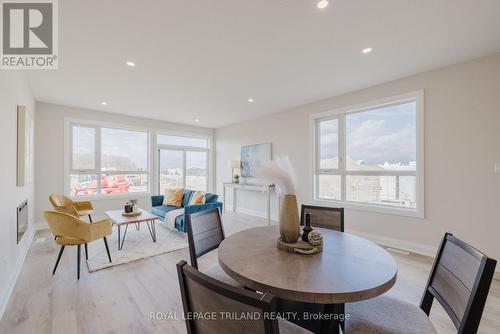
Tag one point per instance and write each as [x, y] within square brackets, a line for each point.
[376, 136]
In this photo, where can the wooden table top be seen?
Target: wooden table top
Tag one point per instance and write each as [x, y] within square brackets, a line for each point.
[117, 218]
[349, 269]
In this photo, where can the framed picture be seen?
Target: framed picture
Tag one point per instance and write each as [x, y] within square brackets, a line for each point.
[25, 144]
[254, 156]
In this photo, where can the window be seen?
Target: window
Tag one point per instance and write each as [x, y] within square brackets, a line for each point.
[108, 161]
[370, 156]
[183, 162]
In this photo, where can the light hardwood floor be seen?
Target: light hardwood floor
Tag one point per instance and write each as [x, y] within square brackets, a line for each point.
[121, 299]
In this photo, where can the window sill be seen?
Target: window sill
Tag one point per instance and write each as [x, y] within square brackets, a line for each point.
[110, 197]
[382, 209]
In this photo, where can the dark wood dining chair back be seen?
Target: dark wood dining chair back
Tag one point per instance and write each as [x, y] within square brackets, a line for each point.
[220, 304]
[460, 280]
[205, 233]
[325, 217]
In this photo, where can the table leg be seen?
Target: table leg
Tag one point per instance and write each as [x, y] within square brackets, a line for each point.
[120, 245]
[335, 325]
[235, 199]
[223, 197]
[268, 207]
[152, 230]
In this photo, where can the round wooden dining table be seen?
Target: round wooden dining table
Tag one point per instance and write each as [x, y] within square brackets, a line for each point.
[349, 269]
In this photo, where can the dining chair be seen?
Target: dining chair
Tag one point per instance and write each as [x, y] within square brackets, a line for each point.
[221, 304]
[205, 233]
[325, 217]
[460, 280]
[72, 231]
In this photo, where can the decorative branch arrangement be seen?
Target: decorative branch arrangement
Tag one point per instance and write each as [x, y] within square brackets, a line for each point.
[279, 172]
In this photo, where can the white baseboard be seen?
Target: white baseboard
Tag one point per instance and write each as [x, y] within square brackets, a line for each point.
[4, 300]
[409, 246]
[255, 213]
[413, 247]
[41, 226]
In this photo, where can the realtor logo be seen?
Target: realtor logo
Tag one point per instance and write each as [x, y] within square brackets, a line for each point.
[29, 34]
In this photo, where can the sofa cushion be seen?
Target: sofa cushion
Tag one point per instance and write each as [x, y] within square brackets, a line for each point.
[162, 210]
[187, 196]
[211, 198]
[173, 196]
[198, 197]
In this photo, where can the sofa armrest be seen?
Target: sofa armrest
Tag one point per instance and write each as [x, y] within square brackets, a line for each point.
[157, 200]
[100, 229]
[83, 205]
[202, 207]
[69, 209]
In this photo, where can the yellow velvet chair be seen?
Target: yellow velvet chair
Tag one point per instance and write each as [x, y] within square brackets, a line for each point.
[64, 204]
[78, 209]
[72, 231]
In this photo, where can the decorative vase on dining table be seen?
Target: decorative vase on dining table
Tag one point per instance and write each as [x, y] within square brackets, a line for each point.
[289, 219]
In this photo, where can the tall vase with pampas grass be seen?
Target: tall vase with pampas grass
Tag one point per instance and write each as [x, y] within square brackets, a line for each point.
[280, 173]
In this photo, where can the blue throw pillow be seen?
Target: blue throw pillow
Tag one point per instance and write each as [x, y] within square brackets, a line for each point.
[187, 197]
[211, 198]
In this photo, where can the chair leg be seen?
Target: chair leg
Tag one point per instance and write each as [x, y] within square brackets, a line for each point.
[58, 258]
[90, 218]
[78, 262]
[86, 252]
[55, 237]
[107, 248]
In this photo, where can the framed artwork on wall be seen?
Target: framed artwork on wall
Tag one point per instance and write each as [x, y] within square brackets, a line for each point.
[25, 145]
[254, 156]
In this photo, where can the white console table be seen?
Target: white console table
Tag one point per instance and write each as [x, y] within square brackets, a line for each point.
[247, 187]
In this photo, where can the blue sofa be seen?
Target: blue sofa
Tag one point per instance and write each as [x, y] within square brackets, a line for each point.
[158, 209]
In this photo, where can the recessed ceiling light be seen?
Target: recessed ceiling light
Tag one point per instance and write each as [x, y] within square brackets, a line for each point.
[104, 103]
[366, 50]
[322, 4]
[196, 119]
[130, 64]
[250, 100]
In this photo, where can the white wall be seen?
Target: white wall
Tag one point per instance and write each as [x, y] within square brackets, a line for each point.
[462, 138]
[49, 153]
[14, 90]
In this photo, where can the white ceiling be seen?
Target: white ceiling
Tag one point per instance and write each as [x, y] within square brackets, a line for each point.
[204, 58]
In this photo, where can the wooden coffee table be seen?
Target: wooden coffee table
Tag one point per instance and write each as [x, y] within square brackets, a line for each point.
[145, 217]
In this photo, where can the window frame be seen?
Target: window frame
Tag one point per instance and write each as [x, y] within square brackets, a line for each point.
[184, 149]
[98, 126]
[340, 114]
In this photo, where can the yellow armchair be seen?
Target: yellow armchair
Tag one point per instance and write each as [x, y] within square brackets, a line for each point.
[72, 231]
[67, 205]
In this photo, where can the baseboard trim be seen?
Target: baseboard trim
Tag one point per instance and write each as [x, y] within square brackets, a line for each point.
[4, 300]
[404, 245]
[255, 213]
[40, 226]
[409, 246]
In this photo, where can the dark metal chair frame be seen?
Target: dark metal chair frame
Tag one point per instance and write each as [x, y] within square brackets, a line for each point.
[265, 302]
[192, 247]
[304, 208]
[469, 323]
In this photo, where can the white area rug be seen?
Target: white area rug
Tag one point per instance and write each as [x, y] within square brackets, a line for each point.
[138, 245]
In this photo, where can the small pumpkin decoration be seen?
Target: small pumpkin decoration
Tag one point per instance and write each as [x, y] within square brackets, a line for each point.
[315, 238]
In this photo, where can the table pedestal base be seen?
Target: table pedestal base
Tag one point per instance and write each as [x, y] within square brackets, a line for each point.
[338, 323]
